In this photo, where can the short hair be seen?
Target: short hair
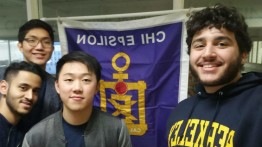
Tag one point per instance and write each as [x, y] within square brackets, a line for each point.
[32, 24]
[14, 68]
[220, 16]
[79, 56]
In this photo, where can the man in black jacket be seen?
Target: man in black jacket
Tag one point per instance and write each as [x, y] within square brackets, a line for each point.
[19, 92]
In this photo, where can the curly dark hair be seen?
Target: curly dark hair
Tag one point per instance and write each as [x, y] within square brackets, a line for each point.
[220, 16]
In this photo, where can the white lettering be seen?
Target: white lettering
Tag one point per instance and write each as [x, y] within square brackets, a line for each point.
[81, 39]
[90, 38]
[130, 40]
[161, 36]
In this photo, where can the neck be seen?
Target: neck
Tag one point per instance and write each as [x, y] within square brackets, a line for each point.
[43, 66]
[11, 117]
[77, 117]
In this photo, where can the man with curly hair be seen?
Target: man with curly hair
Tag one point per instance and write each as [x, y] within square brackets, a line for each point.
[227, 109]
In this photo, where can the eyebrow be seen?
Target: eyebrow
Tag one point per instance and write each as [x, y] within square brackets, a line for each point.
[32, 36]
[219, 38]
[82, 74]
[28, 85]
[198, 40]
[223, 38]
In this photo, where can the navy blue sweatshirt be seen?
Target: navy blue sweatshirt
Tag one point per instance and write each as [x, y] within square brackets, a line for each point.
[10, 135]
[230, 117]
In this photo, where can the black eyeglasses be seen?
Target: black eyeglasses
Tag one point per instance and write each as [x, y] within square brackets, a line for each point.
[34, 42]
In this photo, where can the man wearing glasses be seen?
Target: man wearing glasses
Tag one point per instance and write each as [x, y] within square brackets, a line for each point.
[35, 41]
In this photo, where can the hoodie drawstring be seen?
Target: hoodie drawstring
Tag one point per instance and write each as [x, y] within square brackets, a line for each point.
[213, 119]
[181, 133]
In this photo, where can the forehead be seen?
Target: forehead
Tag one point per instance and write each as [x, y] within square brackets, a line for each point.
[38, 32]
[210, 33]
[26, 77]
[74, 68]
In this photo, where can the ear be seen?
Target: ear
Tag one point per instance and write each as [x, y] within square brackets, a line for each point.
[20, 46]
[3, 87]
[97, 87]
[57, 87]
[244, 58]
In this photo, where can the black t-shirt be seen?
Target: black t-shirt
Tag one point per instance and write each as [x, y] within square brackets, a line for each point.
[74, 134]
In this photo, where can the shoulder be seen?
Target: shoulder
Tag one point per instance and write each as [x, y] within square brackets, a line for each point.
[106, 120]
[183, 108]
[187, 102]
[105, 116]
[43, 124]
[50, 79]
[44, 132]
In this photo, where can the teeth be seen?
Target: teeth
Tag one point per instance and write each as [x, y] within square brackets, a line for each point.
[208, 66]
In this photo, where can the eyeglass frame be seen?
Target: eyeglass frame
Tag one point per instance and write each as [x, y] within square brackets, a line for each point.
[37, 42]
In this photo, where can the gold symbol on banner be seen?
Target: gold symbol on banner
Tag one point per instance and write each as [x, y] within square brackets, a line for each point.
[123, 102]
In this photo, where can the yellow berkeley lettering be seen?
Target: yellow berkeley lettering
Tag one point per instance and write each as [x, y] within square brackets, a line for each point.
[223, 130]
[182, 140]
[174, 131]
[230, 139]
[189, 141]
[218, 135]
[211, 139]
[201, 136]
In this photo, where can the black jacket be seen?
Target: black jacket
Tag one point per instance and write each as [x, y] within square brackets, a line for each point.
[10, 135]
[232, 116]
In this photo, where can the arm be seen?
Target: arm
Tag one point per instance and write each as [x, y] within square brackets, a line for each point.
[124, 139]
[25, 142]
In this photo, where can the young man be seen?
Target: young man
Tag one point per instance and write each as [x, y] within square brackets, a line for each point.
[35, 41]
[78, 123]
[227, 110]
[19, 92]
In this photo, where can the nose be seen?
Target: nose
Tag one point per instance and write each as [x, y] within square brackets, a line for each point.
[29, 94]
[209, 53]
[77, 86]
[39, 45]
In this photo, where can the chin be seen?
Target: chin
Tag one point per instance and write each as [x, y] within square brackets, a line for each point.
[76, 109]
[23, 113]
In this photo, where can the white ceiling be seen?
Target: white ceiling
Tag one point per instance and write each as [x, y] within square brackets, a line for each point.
[13, 12]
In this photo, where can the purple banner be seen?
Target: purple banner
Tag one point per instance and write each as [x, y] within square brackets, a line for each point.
[140, 75]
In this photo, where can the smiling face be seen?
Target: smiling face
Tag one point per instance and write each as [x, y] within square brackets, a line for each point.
[21, 92]
[76, 86]
[215, 59]
[36, 54]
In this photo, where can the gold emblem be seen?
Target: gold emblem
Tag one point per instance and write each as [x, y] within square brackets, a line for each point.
[122, 102]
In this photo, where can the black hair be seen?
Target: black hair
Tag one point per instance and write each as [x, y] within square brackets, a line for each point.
[32, 24]
[220, 16]
[14, 68]
[79, 56]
